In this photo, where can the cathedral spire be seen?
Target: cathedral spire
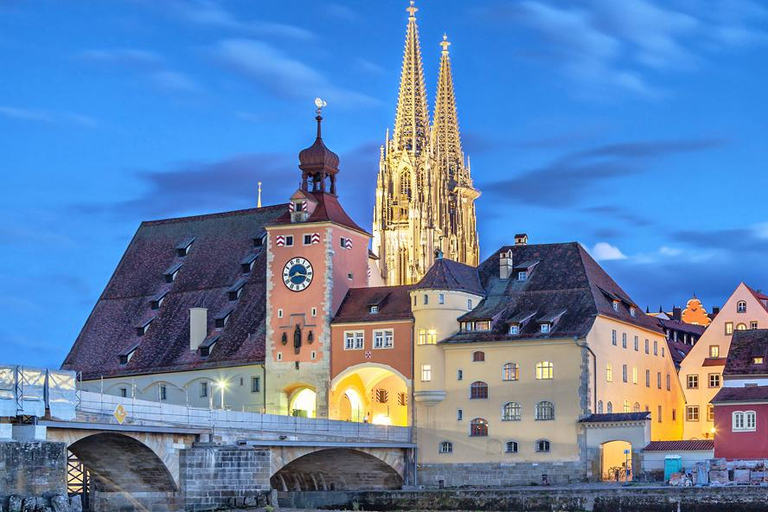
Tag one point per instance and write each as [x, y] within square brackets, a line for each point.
[412, 116]
[445, 129]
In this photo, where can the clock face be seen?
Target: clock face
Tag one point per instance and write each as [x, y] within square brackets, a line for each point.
[297, 274]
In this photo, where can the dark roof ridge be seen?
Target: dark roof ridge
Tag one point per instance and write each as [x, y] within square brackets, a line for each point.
[216, 215]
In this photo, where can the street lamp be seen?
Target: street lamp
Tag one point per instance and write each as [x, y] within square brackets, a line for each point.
[222, 384]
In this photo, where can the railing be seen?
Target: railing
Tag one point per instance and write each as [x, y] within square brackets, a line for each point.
[101, 407]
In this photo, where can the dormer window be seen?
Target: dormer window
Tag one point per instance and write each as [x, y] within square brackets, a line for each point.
[483, 325]
[522, 275]
[514, 329]
[373, 309]
[258, 241]
[207, 345]
[172, 272]
[757, 360]
[182, 249]
[141, 330]
[236, 290]
[545, 327]
[222, 319]
[246, 264]
[126, 356]
[615, 305]
[158, 300]
[632, 312]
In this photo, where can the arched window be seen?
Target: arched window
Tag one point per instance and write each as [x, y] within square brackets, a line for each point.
[510, 371]
[545, 370]
[636, 407]
[478, 427]
[741, 306]
[511, 411]
[599, 407]
[405, 182]
[542, 445]
[446, 447]
[511, 447]
[478, 390]
[478, 356]
[545, 411]
[741, 327]
[610, 408]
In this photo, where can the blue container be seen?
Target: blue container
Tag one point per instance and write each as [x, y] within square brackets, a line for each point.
[672, 464]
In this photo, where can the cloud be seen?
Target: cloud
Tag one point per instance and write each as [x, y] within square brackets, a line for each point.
[571, 177]
[603, 251]
[47, 116]
[123, 57]
[283, 76]
[616, 212]
[174, 81]
[339, 12]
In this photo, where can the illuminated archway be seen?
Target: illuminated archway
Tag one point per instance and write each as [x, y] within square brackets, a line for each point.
[615, 459]
[372, 393]
[303, 403]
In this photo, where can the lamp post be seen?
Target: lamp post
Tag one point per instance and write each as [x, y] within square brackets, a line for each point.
[222, 384]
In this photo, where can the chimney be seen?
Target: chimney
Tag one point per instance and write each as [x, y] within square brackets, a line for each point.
[521, 239]
[715, 311]
[505, 264]
[198, 327]
[677, 314]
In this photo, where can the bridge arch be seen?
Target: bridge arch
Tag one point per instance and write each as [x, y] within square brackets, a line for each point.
[336, 469]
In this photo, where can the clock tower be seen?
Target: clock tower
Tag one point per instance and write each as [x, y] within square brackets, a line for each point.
[315, 253]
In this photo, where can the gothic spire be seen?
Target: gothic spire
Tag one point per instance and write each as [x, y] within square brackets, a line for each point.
[445, 129]
[412, 115]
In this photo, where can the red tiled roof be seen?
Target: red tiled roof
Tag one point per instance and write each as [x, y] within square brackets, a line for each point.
[681, 446]
[745, 346]
[714, 361]
[745, 394]
[211, 267]
[394, 303]
[327, 209]
[759, 296]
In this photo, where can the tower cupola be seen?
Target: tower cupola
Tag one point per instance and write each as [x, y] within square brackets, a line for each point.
[317, 162]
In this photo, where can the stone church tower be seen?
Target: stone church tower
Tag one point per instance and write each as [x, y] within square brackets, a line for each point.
[425, 200]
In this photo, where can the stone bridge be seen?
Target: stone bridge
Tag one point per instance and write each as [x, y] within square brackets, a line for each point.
[168, 457]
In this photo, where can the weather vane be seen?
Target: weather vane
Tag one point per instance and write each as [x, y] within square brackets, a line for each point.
[319, 103]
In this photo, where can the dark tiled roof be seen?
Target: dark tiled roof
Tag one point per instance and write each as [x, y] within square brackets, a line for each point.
[746, 345]
[327, 209]
[616, 416]
[447, 274]
[681, 446]
[678, 351]
[677, 325]
[210, 268]
[745, 394]
[565, 279]
[394, 303]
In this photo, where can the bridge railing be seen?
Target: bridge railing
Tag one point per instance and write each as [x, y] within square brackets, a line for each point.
[102, 407]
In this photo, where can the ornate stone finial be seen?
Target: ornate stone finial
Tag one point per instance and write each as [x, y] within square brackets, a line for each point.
[445, 43]
[412, 10]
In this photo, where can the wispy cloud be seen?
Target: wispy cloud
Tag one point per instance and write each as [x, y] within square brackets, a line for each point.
[282, 75]
[122, 56]
[47, 116]
[339, 12]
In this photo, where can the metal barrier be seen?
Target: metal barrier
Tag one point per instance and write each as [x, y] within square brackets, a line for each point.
[27, 391]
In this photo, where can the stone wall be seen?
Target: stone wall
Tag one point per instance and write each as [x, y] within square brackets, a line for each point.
[499, 474]
[32, 469]
[214, 476]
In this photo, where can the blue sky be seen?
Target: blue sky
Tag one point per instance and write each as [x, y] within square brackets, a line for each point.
[636, 127]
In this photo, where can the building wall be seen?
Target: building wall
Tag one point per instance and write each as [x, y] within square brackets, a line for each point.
[184, 388]
[698, 362]
[398, 357]
[658, 361]
[732, 444]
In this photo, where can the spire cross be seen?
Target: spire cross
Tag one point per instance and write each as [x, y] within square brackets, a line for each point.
[445, 43]
[412, 10]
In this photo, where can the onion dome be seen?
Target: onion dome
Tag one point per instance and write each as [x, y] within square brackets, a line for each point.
[317, 158]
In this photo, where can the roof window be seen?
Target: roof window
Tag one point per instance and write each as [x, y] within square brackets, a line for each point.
[236, 290]
[172, 271]
[126, 356]
[223, 318]
[182, 249]
[373, 309]
[141, 330]
[158, 300]
[207, 345]
[246, 264]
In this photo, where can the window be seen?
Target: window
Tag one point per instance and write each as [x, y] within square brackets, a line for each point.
[478, 427]
[624, 373]
[373, 309]
[744, 421]
[426, 372]
[609, 408]
[307, 239]
[615, 305]
[422, 340]
[757, 360]
[637, 343]
[545, 327]
[741, 327]
[431, 337]
[608, 373]
[691, 413]
[510, 371]
[446, 447]
[478, 390]
[658, 417]
[655, 347]
[441, 298]
[692, 381]
[426, 299]
[753, 325]
[469, 303]
[632, 312]
[710, 412]
[542, 446]
[714, 380]
[203, 389]
[728, 327]
[511, 411]
[714, 351]
[741, 307]
[459, 374]
[647, 378]
[636, 407]
[626, 407]
[613, 337]
[289, 240]
[163, 392]
[124, 392]
[354, 340]
[478, 356]
[545, 370]
[545, 411]
[514, 329]
[658, 380]
[510, 447]
[646, 347]
[669, 384]
[384, 338]
[255, 384]
[522, 276]
[674, 414]
[623, 340]
[280, 313]
[634, 375]
[459, 415]
[599, 407]
[314, 312]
